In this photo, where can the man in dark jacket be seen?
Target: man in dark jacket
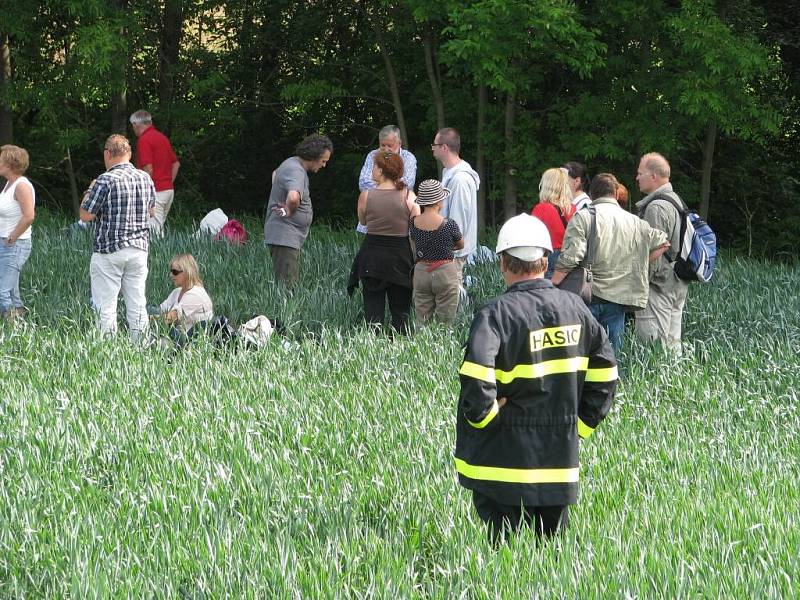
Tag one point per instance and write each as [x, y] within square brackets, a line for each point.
[538, 373]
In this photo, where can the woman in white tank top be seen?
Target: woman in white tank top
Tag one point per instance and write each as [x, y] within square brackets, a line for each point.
[17, 202]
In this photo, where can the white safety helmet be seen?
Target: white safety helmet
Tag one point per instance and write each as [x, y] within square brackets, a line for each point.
[524, 237]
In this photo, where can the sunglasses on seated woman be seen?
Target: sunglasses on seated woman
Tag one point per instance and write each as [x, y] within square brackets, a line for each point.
[175, 271]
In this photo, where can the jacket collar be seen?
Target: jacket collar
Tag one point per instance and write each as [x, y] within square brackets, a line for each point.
[667, 187]
[530, 284]
[605, 200]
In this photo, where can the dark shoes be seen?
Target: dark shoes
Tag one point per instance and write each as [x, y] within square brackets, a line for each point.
[16, 313]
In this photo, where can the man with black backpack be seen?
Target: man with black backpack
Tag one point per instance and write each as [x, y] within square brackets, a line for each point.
[661, 319]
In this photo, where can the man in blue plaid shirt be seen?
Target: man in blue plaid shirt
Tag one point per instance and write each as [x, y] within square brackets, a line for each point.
[121, 201]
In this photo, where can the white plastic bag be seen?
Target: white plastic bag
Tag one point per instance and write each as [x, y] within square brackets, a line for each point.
[212, 223]
[256, 331]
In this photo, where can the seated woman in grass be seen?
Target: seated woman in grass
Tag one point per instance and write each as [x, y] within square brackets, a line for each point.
[436, 276]
[188, 303]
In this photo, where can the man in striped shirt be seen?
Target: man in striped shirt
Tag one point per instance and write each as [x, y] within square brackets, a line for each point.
[120, 201]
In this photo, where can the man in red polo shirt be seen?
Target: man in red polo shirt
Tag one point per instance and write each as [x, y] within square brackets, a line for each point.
[155, 156]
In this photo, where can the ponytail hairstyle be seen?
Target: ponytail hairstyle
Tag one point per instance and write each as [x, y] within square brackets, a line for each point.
[392, 168]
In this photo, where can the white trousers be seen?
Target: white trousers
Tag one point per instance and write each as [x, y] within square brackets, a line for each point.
[163, 204]
[125, 269]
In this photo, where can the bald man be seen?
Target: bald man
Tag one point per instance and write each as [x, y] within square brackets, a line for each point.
[662, 318]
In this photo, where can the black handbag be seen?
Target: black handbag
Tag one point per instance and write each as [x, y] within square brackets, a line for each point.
[579, 280]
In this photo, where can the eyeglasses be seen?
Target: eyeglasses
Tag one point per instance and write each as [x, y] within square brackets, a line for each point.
[434, 145]
[175, 272]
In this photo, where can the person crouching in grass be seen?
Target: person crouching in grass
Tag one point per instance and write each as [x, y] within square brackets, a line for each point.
[436, 276]
[538, 374]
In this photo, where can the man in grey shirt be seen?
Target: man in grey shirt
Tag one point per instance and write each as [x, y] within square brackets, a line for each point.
[289, 210]
[662, 319]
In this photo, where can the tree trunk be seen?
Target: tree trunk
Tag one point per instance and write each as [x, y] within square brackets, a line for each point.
[394, 89]
[480, 161]
[171, 33]
[6, 116]
[119, 112]
[73, 184]
[510, 196]
[434, 77]
[119, 94]
[708, 159]
[645, 58]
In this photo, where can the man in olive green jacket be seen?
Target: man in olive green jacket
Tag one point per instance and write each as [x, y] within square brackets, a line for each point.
[623, 246]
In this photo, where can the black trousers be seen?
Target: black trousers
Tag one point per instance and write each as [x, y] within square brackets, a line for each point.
[504, 519]
[376, 293]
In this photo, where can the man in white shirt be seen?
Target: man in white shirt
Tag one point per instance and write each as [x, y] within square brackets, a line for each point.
[463, 182]
[389, 140]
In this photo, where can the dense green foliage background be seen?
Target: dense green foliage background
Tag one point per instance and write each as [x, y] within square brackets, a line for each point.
[322, 468]
[530, 83]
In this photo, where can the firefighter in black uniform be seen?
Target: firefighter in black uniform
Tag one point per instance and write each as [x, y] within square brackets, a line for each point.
[538, 373]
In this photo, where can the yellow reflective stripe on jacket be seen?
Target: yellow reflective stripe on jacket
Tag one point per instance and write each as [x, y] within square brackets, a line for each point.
[603, 375]
[476, 371]
[542, 369]
[584, 430]
[488, 418]
[517, 475]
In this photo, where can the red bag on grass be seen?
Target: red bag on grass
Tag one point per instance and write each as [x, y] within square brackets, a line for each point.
[233, 232]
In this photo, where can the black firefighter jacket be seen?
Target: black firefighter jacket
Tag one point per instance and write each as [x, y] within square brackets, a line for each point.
[541, 349]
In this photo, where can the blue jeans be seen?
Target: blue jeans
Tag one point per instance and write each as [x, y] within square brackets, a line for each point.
[612, 317]
[552, 259]
[12, 259]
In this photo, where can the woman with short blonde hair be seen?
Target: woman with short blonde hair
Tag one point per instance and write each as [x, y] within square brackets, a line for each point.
[188, 303]
[554, 209]
[554, 188]
[187, 264]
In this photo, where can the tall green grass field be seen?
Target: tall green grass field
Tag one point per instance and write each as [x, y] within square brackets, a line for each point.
[320, 466]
